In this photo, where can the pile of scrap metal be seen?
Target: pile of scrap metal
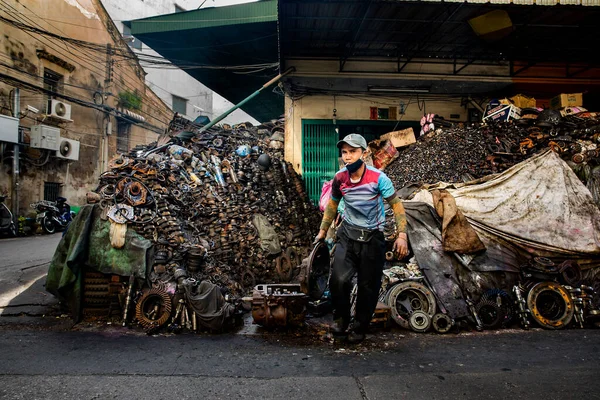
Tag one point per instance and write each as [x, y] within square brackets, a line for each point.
[222, 210]
[540, 260]
[458, 154]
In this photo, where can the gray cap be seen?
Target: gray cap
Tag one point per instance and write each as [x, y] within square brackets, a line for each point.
[354, 140]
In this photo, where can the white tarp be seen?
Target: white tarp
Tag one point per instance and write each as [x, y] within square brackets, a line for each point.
[539, 204]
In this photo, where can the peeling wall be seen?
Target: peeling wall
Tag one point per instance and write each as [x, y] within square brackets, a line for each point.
[83, 20]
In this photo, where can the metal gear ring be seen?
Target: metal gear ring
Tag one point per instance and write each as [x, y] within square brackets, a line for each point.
[551, 305]
[408, 297]
[442, 323]
[153, 309]
[420, 321]
[490, 314]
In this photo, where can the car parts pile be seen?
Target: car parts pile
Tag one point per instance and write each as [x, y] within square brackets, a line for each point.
[195, 199]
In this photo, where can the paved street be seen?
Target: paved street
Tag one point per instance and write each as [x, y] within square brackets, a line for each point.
[23, 267]
[118, 363]
[45, 358]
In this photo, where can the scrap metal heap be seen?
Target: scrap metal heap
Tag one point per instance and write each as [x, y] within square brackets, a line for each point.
[463, 153]
[197, 198]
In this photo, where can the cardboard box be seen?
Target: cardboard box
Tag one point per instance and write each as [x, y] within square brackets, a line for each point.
[400, 138]
[502, 112]
[522, 101]
[566, 100]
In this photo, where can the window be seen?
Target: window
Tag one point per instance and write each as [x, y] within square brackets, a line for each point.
[180, 105]
[179, 9]
[123, 129]
[51, 191]
[133, 42]
[53, 81]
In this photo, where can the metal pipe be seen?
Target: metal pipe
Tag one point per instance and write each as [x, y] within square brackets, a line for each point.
[247, 99]
[232, 109]
[15, 169]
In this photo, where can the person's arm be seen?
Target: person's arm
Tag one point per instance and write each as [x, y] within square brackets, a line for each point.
[330, 209]
[401, 242]
[328, 217]
[386, 188]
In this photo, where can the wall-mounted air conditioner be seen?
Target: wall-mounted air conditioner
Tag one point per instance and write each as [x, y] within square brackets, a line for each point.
[60, 110]
[44, 137]
[9, 129]
[68, 149]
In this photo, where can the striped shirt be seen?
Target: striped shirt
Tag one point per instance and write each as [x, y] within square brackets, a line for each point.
[363, 199]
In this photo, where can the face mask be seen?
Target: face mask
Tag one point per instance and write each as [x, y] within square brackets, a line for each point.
[352, 168]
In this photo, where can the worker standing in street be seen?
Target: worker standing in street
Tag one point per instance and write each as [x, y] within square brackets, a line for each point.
[360, 245]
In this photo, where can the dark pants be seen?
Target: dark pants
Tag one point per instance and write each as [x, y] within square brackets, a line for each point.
[364, 259]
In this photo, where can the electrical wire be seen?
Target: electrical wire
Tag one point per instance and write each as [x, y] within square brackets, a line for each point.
[25, 27]
[12, 80]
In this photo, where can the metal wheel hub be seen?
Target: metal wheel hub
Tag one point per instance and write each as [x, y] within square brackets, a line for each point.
[551, 305]
[406, 298]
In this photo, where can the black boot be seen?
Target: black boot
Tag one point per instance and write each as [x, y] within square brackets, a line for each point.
[357, 333]
[340, 327]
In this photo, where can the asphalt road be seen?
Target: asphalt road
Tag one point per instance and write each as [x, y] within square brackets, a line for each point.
[23, 266]
[119, 363]
[43, 358]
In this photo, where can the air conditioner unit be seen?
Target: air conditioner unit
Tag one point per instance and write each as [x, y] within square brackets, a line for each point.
[60, 110]
[44, 137]
[68, 149]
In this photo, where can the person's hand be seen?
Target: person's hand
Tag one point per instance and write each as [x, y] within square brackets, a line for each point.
[320, 236]
[401, 246]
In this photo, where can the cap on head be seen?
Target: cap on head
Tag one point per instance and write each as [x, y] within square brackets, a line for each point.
[354, 140]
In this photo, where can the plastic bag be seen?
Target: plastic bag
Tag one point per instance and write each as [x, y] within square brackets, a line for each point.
[325, 195]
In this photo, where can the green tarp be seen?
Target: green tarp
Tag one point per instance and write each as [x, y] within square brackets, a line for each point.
[86, 244]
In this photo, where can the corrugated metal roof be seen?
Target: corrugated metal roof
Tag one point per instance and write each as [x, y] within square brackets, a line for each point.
[262, 11]
[209, 43]
[435, 29]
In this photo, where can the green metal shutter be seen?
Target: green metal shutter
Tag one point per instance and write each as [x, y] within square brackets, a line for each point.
[319, 156]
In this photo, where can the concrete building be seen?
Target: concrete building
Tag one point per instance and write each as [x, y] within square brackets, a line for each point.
[81, 99]
[173, 85]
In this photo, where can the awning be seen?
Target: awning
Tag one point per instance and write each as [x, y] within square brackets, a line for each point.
[232, 50]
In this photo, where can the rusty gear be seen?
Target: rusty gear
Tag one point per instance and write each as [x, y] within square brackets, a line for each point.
[490, 314]
[442, 323]
[153, 309]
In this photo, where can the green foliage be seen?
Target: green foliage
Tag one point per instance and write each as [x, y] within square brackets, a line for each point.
[130, 100]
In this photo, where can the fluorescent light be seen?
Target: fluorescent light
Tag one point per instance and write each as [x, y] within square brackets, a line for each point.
[397, 89]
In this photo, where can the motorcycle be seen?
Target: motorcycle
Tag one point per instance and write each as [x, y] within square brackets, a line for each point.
[7, 224]
[53, 215]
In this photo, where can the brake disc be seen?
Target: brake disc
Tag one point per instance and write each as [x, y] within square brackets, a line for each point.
[551, 305]
[408, 297]
[442, 323]
[420, 321]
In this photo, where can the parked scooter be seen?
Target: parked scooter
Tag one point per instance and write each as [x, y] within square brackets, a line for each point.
[53, 216]
[7, 225]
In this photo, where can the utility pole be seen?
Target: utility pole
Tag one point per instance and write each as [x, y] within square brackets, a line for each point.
[16, 163]
[107, 124]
